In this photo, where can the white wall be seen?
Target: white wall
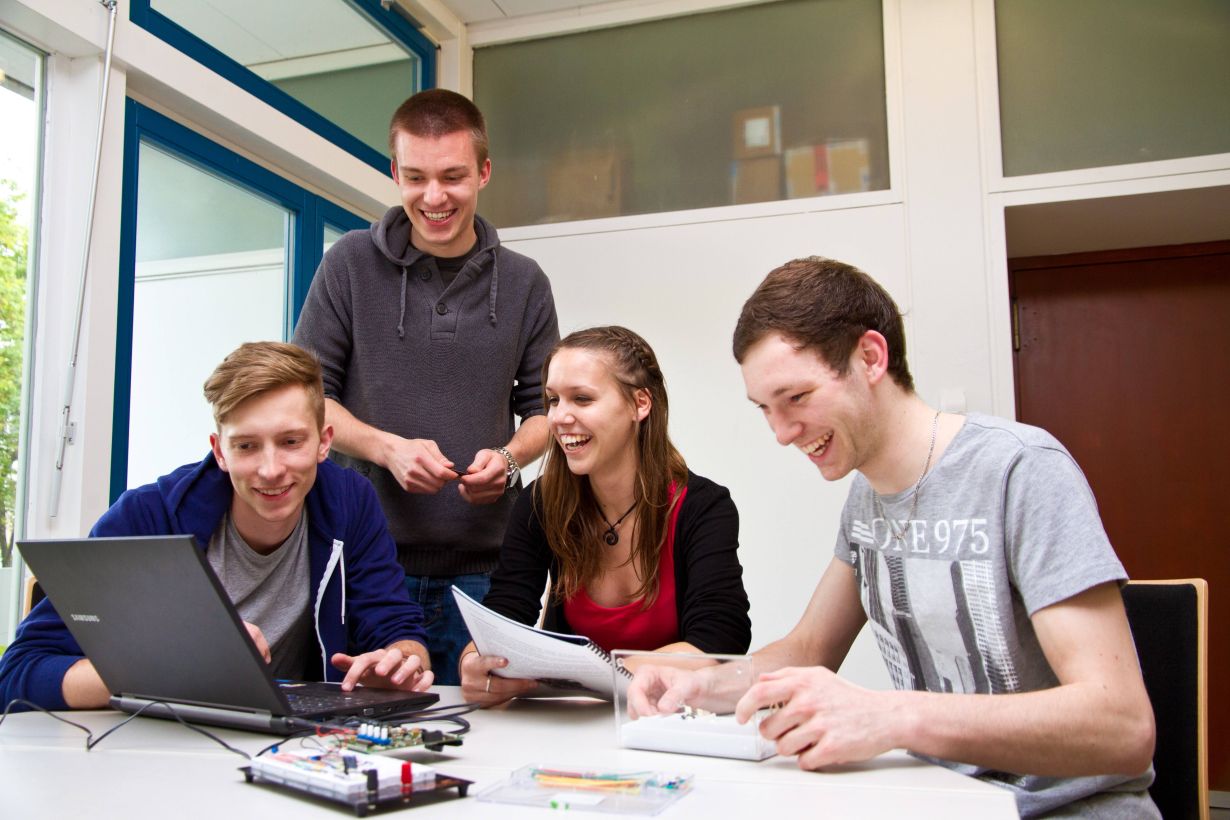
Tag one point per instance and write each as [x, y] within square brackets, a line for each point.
[936, 240]
[681, 283]
[681, 286]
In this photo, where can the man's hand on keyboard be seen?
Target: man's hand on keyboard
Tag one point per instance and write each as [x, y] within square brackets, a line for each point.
[401, 666]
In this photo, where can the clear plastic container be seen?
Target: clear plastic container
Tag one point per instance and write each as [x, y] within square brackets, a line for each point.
[608, 792]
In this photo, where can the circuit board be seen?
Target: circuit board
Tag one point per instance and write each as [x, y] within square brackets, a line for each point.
[381, 737]
[364, 782]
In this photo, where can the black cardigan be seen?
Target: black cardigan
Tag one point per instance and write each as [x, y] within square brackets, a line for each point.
[711, 602]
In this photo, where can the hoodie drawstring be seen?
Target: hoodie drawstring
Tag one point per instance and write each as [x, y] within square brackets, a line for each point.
[336, 558]
[401, 320]
[495, 282]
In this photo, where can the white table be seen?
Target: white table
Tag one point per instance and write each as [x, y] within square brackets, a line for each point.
[157, 768]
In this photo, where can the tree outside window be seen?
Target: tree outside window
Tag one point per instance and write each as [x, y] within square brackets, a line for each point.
[13, 251]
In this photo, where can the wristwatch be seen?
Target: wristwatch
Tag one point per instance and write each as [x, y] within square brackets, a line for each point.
[514, 469]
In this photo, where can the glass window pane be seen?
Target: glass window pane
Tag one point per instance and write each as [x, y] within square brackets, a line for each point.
[751, 104]
[20, 105]
[332, 234]
[1109, 82]
[211, 273]
[333, 59]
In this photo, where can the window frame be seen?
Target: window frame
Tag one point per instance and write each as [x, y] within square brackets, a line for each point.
[323, 213]
[396, 27]
[304, 242]
[21, 500]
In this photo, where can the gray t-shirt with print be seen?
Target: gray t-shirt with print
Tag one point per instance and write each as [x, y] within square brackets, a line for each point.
[1005, 525]
[269, 590]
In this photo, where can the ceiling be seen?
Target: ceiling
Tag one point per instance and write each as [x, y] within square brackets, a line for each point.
[256, 33]
[322, 34]
[481, 11]
[1106, 223]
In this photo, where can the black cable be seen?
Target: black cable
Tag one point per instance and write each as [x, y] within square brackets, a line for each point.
[91, 741]
[171, 708]
[451, 713]
[463, 708]
[458, 720]
[303, 734]
[22, 701]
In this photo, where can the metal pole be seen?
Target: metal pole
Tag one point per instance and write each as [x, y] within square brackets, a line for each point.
[70, 381]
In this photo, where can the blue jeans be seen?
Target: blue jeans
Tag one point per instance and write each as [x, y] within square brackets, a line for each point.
[446, 631]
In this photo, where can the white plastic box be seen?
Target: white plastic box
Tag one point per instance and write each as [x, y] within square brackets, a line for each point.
[703, 689]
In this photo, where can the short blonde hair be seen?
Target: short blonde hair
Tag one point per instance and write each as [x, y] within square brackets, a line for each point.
[255, 368]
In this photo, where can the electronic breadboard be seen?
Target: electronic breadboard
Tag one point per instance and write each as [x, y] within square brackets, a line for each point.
[365, 782]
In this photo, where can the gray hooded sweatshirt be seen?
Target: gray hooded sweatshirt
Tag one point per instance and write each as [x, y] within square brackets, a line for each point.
[407, 354]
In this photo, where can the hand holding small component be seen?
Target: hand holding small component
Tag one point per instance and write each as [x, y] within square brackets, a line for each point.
[390, 668]
[258, 638]
[663, 690]
[484, 481]
[819, 716]
[418, 465]
[478, 685]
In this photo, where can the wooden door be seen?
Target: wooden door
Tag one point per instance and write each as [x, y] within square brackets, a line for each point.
[1125, 357]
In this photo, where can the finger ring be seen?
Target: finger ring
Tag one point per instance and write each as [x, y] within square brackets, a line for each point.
[488, 684]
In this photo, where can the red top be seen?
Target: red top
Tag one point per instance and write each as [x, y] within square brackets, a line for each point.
[631, 626]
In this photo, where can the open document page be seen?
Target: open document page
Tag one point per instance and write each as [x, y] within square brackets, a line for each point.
[565, 664]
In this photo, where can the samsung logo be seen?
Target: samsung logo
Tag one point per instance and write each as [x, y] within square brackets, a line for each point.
[90, 619]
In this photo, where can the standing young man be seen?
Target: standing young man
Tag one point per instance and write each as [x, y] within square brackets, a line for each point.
[432, 337]
[974, 547]
[299, 545]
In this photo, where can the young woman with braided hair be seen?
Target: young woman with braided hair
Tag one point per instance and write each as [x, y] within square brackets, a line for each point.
[640, 553]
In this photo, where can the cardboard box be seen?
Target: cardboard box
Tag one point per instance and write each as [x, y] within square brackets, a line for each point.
[758, 179]
[836, 167]
[757, 132]
[807, 171]
[586, 184]
[849, 166]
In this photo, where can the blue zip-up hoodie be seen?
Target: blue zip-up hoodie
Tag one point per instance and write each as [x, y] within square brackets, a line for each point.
[357, 590]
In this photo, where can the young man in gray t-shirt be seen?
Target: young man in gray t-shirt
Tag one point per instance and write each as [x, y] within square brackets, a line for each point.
[973, 549]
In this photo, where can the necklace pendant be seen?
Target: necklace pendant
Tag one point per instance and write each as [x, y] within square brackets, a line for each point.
[611, 537]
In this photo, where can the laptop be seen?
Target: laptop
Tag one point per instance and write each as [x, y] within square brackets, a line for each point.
[158, 626]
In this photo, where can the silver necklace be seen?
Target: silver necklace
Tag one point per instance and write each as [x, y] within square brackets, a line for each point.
[899, 535]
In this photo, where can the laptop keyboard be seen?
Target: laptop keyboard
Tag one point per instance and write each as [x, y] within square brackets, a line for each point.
[316, 702]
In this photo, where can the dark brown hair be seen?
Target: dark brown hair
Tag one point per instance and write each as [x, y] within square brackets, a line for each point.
[825, 306]
[436, 112]
[255, 368]
[570, 513]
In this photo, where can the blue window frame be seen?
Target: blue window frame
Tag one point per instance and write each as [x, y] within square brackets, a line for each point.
[388, 21]
[304, 241]
[325, 214]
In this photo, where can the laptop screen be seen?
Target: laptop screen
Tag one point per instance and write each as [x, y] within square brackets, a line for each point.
[154, 620]
[157, 624]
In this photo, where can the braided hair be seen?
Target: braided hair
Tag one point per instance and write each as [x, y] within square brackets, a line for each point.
[570, 514]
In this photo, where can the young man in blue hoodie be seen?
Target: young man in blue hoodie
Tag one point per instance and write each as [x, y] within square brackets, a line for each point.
[432, 336]
[299, 544]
